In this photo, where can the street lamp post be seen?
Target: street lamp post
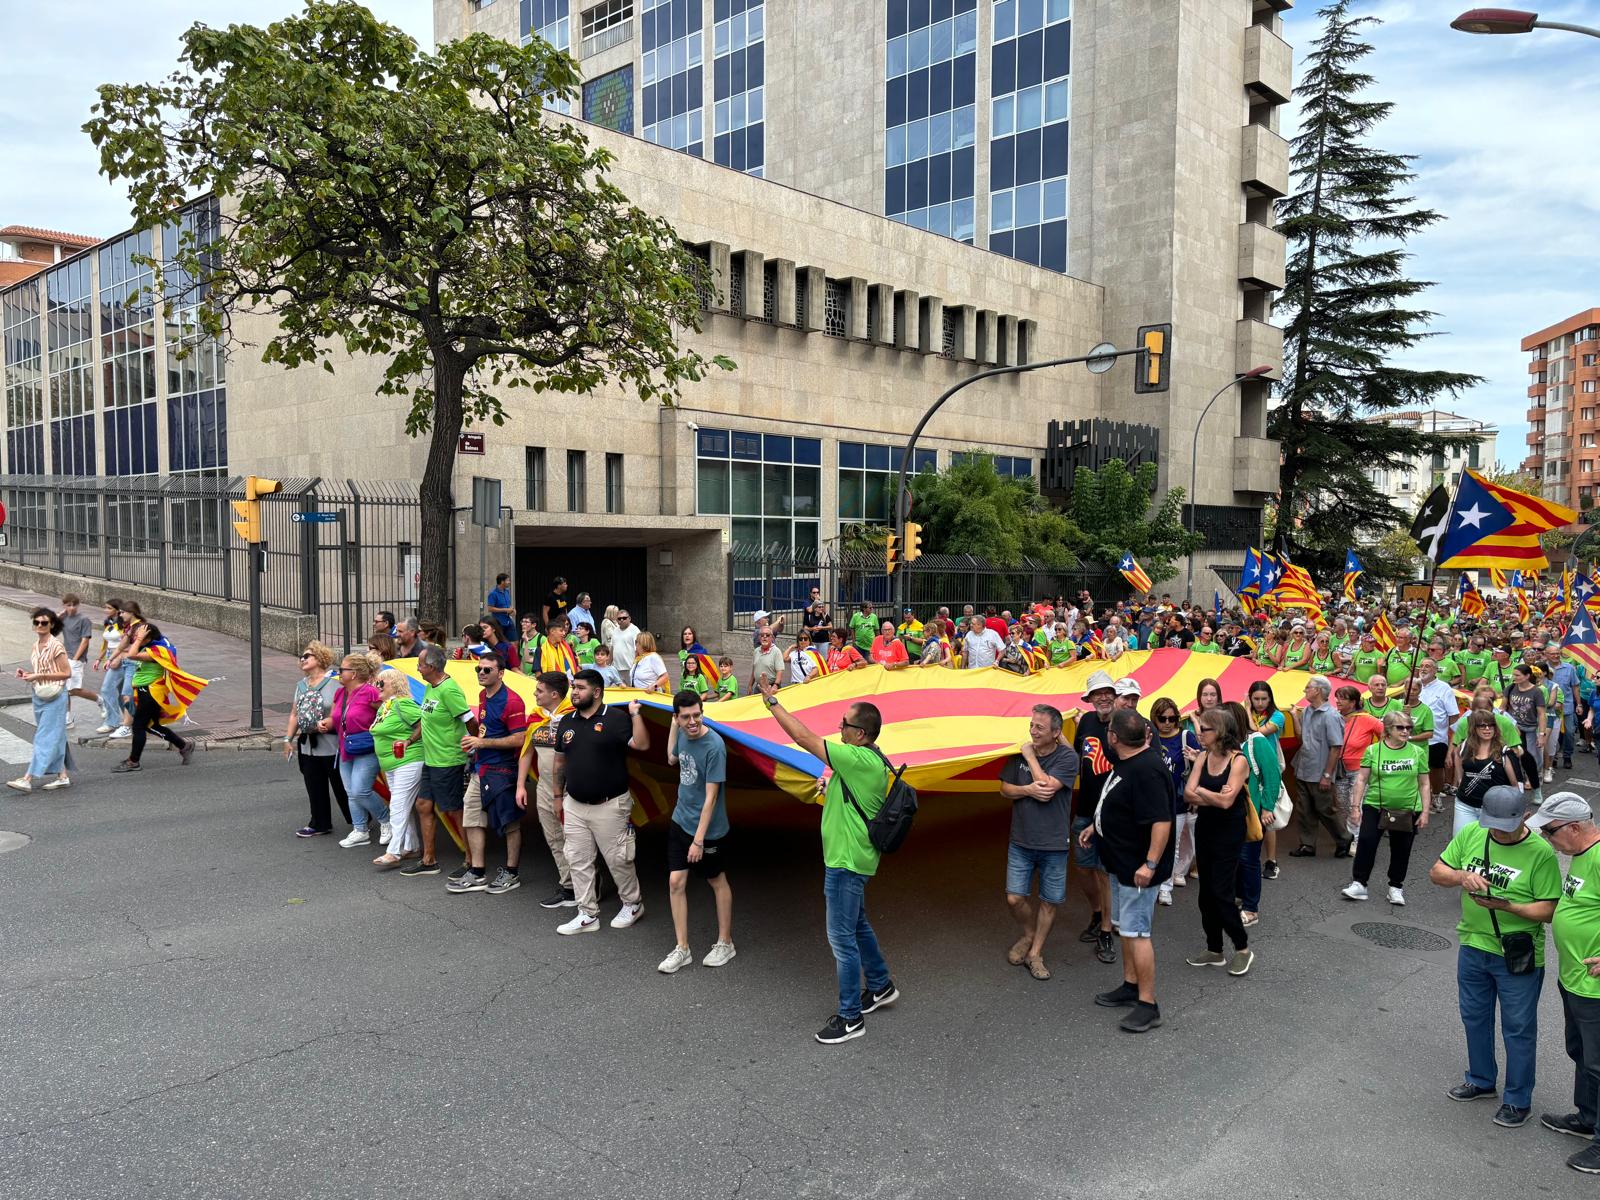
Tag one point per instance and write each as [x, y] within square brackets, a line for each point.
[1194, 462]
[1512, 20]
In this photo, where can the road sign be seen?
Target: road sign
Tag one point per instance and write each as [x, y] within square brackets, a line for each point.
[486, 502]
[471, 443]
[314, 518]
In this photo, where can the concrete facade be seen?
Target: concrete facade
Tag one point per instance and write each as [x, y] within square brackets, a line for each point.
[1406, 486]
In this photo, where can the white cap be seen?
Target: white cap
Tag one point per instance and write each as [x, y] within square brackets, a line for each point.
[1129, 686]
[761, 614]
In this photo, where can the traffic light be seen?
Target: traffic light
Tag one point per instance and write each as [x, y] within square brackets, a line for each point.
[248, 527]
[912, 546]
[891, 555]
[1152, 367]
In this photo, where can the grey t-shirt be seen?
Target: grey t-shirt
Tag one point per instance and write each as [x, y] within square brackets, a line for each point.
[1321, 729]
[1043, 825]
[701, 760]
[74, 631]
[770, 664]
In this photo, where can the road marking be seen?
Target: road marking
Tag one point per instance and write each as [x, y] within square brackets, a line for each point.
[13, 749]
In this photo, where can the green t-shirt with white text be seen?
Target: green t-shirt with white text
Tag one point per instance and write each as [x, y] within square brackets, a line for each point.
[1394, 777]
[1577, 923]
[1524, 873]
[442, 707]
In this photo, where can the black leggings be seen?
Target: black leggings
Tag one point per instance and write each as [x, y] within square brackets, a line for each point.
[146, 720]
[1219, 911]
[321, 772]
[1367, 849]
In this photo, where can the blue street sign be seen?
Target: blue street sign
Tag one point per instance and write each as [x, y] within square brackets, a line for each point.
[314, 518]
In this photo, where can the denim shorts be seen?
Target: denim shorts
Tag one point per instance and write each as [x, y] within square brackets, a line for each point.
[1132, 908]
[1022, 862]
[1088, 859]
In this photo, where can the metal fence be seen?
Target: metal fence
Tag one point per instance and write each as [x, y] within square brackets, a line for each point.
[761, 578]
[177, 534]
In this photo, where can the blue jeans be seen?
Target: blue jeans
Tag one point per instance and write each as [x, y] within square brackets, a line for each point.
[854, 945]
[1021, 863]
[357, 775]
[1247, 877]
[49, 736]
[1569, 730]
[1481, 978]
[117, 688]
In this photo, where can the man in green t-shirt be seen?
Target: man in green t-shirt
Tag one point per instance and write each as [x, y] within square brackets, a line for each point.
[864, 627]
[855, 791]
[1472, 664]
[1367, 661]
[446, 719]
[1568, 822]
[1509, 881]
[1378, 702]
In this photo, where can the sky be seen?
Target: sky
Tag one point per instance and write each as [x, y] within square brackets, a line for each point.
[1503, 127]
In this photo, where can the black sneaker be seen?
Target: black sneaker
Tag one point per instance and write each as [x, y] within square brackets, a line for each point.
[1566, 1123]
[463, 870]
[468, 881]
[1566, 764]
[1470, 1091]
[872, 1001]
[1269, 869]
[417, 867]
[839, 1030]
[1091, 930]
[1142, 1019]
[504, 881]
[1303, 852]
[1104, 948]
[1342, 850]
[1586, 1160]
[560, 898]
[1511, 1118]
[1124, 995]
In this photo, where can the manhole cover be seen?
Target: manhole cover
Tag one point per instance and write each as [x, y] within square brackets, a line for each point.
[1399, 937]
[12, 841]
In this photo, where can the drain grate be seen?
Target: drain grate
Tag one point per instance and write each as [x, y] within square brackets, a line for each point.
[1399, 937]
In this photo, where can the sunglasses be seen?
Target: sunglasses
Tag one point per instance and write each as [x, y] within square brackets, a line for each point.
[1167, 718]
[42, 623]
[843, 724]
[1548, 830]
[485, 670]
[1402, 728]
[306, 655]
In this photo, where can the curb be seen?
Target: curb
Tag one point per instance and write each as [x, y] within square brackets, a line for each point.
[205, 743]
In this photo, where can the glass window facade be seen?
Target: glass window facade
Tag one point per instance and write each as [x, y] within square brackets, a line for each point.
[1030, 89]
[551, 21]
[931, 114]
[69, 320]
[1005, 466]
[20, 326]
[738, 69]
[867, 477]
[769, 485]
[673, 96]
[197, 397]
[128, 356]
[608, 100]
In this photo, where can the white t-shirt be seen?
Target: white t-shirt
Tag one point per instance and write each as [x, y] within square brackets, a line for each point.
[982, 649]
[647, 671]
[622, 643]
[802, 666]
[1441, 698]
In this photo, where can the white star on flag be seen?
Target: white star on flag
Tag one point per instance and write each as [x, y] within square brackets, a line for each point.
[1473, 516]
[1579, 630]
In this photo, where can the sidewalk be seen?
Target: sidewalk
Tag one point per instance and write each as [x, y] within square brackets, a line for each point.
[220, 716]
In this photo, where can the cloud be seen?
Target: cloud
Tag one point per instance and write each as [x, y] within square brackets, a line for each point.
[1502, 128]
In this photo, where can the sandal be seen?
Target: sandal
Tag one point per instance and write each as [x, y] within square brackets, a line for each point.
[386, 861]
[1249, 918]
[1018, 954]
[1037, 969]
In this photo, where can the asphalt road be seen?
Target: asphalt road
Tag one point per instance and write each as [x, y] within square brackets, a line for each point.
[199, 1005]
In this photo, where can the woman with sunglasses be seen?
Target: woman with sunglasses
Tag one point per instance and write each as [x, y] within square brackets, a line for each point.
[1485, 761]
[1391, 790]
[48, 672]
[355, 706]
[1169, 740]
[1266, 720]
[1525, 702]
[1217, 791]
[316, 752]
[1206, 697]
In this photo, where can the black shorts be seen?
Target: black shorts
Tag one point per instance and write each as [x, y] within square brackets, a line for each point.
[445, 786]
[1436, 755]
[711, 863]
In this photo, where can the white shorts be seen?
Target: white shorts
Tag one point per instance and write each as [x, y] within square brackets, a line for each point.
[77, 675]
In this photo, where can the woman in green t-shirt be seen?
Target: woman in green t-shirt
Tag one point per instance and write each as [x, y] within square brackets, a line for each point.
[1322, 659]
[1391, 789]
[391, 730]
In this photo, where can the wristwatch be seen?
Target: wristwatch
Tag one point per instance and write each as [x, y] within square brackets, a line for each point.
[770, 701]
[1150, 864]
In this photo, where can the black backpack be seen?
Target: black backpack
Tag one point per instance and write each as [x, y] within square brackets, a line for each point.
[887, 828]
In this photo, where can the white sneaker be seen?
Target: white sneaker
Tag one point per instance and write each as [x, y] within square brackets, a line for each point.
[72, 721]
[1164, 896]
[1180, 881]
[60, 781]
[1549, 774]
[356, 837]
[383, 834]
[123, 731]
[719, 955]
[1354, 891]
[677, 960]
[582, 923]
[1396, 896]
[103, 729]
[22, 785]
[627, 915]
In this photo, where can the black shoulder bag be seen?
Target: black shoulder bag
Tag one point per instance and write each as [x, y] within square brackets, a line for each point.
[1516, 947]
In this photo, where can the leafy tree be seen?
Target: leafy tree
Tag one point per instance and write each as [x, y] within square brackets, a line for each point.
[1347, 311]
[971, 509]
[388, 201]
[1393, 557]
[1114, 511]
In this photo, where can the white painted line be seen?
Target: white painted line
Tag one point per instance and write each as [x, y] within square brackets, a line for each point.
[13, 749]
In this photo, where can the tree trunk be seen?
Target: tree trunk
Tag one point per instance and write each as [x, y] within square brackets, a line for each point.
[449, 375]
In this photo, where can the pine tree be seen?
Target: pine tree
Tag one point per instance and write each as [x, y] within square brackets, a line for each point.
[1345, 312]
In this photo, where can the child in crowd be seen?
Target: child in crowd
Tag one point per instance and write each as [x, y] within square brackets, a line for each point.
[585, 643]
[602, 663]
[693, 680]
[728, 685]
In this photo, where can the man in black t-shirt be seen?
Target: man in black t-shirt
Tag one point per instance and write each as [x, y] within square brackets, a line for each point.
[1094, 764]
[1038, 782]
[592, 798]
[1133, 831]
[555, 604]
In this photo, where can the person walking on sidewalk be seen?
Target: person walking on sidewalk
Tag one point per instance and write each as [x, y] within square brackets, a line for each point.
[77, 633]
[154, 697]
[316, 752]
[855, 790]
[539, 751]
[446, 715]
[591, 791]
[697, 836]
[117, 687]
[1391, 790]
[48, 672]
[1218, 790]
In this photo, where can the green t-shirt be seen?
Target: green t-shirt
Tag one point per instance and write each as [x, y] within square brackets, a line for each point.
[1399, 666]
[442, 728]
[397, 717]
[1324, 666]
[1062, 651]
[863, 628]
[1200, 647]
[1524, 873]
[1392, 704]
[145, 673]
[1335, 641]
[1421, 721]
[585, 650]
[1365, 663]
[911, 633]
[1577, 923]
[728, 687]
[1394, 776]
[1510, 735]
[696, 683]
[1297, 658]
[1473, 665]
[844, 834]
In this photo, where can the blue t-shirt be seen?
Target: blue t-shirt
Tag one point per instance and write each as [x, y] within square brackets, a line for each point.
[701, 760]
[501, 598]
[501, 715]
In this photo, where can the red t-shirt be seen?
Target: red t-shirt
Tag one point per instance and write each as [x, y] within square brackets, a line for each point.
[888, 650]
[999, 626]
[843, 658]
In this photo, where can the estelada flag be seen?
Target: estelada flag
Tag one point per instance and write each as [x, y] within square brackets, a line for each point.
[1133, 573]
[176, 689]
[1469, 599]
[1383, 633]
[1353, 571]
[1491, 525]
[1497, 576]
[1581, 644]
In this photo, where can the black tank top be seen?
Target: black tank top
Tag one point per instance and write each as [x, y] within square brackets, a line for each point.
[1223, 824]
[1478, 775]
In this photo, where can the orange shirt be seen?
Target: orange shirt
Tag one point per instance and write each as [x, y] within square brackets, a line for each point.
[888, 650]
[1361, 729]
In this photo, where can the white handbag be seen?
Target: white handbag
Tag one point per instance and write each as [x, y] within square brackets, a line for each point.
[49, 690]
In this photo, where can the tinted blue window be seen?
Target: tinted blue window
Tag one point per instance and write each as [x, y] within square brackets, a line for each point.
[1000, 243]
[1003, 68]
[939, 88]
[1028, 156]
[1030, 59]
[917, 95]
[1053, 246]
[897, 17]
[917, 184]
[941, 10]
[851, 454]
[808, 452]
[1055, 149]
[894, 191]
[961, 172]
[964, 85]
[1057, 51]
[920, 10]
[927, 460]
[712, 443]
[1026, 246]
[939, 179]
[877, 458]
[1002, 163]
[747, 445]
[778, 449]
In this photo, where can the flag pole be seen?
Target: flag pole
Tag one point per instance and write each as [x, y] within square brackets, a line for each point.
[1433, 575]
